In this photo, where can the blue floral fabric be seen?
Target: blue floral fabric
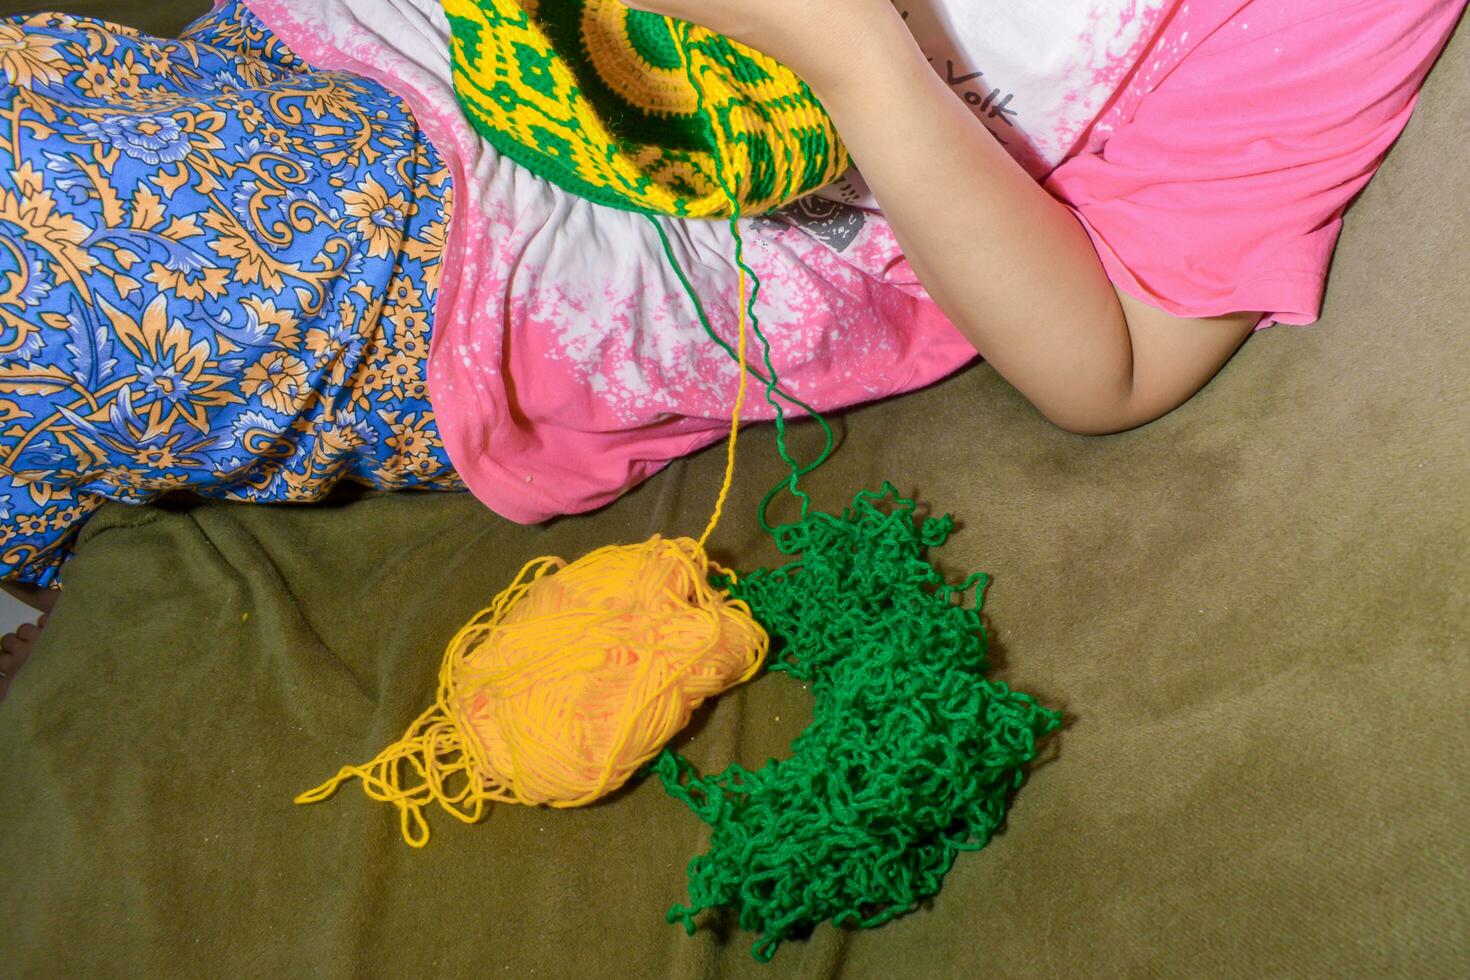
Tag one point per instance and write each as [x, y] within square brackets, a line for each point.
[217, 273]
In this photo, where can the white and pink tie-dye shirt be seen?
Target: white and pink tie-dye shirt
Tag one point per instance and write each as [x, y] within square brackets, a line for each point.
[1207, 146]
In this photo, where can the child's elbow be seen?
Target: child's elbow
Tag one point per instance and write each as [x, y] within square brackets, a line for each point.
[1091, 426]
[1106, 417]
[1090, 429]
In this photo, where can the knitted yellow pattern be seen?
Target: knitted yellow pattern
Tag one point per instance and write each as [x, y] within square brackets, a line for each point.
[595, 97]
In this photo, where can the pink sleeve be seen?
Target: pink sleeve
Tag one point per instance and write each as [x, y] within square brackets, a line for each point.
[1218, 181]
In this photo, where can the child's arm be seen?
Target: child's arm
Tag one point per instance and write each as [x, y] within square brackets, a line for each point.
[1006, 262]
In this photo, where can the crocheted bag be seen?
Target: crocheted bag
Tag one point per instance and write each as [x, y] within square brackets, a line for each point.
[594, 96]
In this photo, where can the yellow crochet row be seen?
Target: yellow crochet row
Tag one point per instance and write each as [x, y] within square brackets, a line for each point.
[530, 97]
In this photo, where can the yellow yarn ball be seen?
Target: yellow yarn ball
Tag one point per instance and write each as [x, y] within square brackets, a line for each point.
[572, 679]
[585, 677]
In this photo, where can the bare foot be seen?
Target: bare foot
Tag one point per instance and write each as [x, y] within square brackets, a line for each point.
[15, 649]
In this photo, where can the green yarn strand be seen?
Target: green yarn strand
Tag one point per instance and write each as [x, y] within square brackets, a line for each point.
[767, 381]
[770, 381]
[911, 750]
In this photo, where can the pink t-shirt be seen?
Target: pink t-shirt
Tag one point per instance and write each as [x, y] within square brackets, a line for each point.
[1208, 147]
[1217, 181]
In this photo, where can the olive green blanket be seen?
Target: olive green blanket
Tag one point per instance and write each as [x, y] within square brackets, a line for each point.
[1253, 612]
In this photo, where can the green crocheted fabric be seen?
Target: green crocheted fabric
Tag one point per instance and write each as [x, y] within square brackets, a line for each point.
[597, 98]
[911, 750]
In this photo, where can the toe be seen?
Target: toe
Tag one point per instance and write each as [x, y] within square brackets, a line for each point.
[28, 632]
[14, 652]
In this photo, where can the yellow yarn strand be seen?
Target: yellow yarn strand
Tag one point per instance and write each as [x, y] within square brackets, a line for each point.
[575, 675]
[714, 518]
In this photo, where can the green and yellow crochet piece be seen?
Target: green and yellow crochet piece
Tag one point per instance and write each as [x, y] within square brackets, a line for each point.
[596, 97]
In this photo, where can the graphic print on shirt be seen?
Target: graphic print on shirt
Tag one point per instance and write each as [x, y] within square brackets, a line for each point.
[833, 223]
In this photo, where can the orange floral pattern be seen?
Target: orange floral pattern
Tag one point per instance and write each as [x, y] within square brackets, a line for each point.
[217, 273]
